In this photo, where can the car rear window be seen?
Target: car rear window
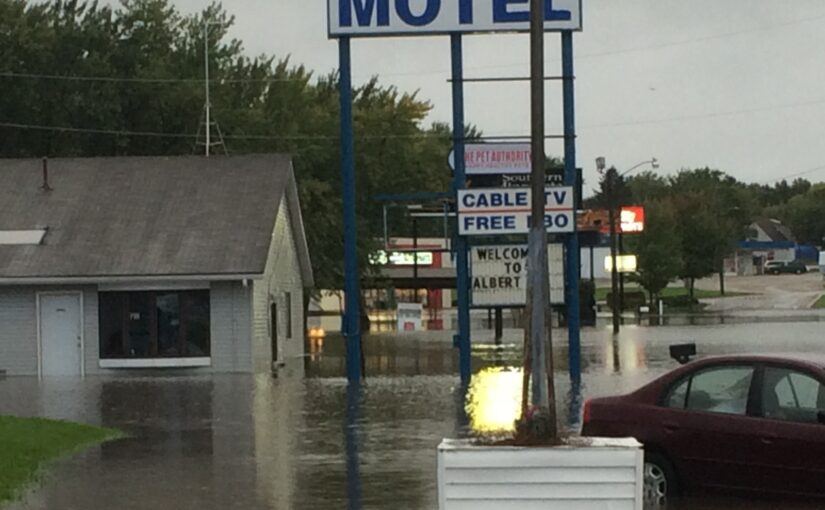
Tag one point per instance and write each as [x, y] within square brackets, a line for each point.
[789, 395]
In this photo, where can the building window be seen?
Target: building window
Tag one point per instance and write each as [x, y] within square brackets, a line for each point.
[288, 313]
[162, 324]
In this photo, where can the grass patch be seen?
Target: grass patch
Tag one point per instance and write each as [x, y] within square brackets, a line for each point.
[820, 303]
[27, 444]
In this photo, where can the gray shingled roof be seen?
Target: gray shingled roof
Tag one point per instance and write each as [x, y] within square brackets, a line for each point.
[146, 217]
[775, 230]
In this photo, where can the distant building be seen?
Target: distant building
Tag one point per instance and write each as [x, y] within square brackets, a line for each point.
[150, 263]
[769, 240]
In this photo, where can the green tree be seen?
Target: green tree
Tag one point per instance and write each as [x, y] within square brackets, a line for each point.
[701, 234]
[149, 97]
[804, 214]
[658, 249]
[646, 187]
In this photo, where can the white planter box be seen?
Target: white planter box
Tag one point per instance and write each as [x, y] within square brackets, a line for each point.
[591, 474]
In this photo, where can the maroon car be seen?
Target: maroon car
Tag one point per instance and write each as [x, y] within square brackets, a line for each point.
[737, 423]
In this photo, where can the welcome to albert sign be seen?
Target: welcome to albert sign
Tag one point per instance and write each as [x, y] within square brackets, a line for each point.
[500, 274]
[363, 18]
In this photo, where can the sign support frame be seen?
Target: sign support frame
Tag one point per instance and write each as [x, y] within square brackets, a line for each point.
[572, 272]
[351, 327]
[352, 285]
[460, 242]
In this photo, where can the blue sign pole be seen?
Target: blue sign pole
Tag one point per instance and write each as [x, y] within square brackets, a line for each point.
[352, 317]
[572, 240]
[460, 243]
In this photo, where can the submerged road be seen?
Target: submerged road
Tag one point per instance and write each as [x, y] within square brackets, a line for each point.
[302, 441]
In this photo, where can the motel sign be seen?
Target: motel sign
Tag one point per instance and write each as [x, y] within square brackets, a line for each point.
[411, 17]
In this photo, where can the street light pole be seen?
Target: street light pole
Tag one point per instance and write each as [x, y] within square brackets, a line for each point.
[611, 180]
[614, 269]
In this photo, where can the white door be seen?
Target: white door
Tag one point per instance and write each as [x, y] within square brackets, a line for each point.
[60, 334]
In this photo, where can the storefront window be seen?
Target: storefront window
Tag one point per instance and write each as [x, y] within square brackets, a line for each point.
[167, 324]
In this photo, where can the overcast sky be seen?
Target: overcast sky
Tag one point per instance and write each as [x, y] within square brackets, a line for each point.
[737, 85]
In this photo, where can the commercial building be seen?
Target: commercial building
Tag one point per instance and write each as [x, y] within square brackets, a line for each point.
[109, 264]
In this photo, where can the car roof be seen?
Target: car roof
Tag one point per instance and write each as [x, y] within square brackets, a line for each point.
[814, 359]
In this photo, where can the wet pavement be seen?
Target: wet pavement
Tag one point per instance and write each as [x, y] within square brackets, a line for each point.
[303, 441]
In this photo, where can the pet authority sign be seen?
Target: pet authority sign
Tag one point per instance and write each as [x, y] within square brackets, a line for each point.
[366, 18]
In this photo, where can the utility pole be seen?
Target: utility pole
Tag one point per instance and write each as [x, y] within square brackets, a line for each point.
[614, 270]
[542, 394]
[208, 104]
[206, 121]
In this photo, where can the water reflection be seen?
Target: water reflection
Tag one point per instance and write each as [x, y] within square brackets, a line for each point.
[352, 439]
[309, 443]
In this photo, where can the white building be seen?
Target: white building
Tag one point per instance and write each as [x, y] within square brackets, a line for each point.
[165, 263]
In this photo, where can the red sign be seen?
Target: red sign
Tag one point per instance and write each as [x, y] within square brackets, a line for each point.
[632, 220]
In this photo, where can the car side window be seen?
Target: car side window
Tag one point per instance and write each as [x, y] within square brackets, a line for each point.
[721, 390]
[790, 395]
[677, 396]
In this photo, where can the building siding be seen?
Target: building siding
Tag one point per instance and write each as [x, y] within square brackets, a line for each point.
[282, 280]
[18, 328]
[18, 331]
[231, 328]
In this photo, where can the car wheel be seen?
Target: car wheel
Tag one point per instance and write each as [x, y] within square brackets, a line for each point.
[660, 481]
[798, 271]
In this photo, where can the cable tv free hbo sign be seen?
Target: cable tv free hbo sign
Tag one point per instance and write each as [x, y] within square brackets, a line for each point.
[507, 211]
[364, 18]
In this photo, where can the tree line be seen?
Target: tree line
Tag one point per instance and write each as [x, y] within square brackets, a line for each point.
[695, 218]
[83, 80]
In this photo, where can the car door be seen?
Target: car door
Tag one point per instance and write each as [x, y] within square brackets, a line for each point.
[790, 400]
[708, 430]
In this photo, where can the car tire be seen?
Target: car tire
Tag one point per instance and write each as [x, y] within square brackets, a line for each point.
[660, 481]
[798, 271]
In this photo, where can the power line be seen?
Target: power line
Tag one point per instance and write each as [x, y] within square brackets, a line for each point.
[672, 44]
[713, 37]
[110, 79]
[158, 134]
[709, 115]
[790, 176]
[636, 49]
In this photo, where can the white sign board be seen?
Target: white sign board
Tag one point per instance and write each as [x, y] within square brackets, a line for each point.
[495, 158]
[507, 211]
[364, 18]
[500, 275]
[624, 264]
[409, 316]
[404, 258]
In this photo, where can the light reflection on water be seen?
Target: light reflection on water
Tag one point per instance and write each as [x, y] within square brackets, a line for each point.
[494, 400]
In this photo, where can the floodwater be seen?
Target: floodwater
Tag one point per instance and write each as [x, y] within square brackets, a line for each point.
[304, 441]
